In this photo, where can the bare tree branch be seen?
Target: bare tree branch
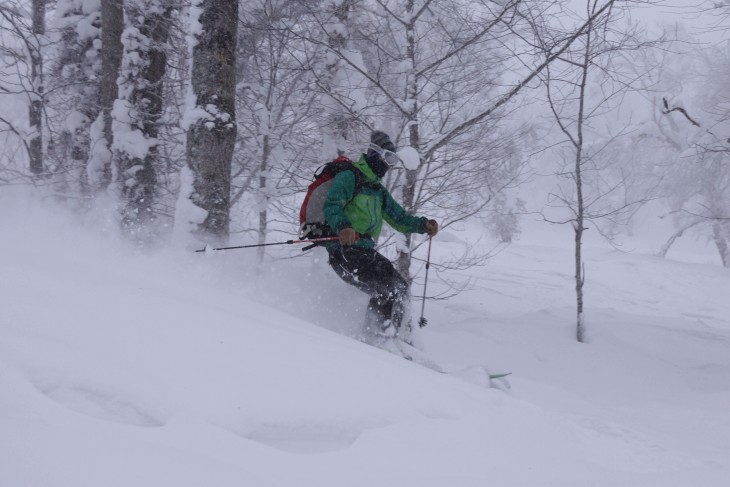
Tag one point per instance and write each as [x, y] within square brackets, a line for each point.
[463, 127]
[681, 110]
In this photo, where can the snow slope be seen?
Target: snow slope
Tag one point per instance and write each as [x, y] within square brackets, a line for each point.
[181, 369]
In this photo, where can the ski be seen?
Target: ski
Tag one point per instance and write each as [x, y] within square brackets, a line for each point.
[474, 374]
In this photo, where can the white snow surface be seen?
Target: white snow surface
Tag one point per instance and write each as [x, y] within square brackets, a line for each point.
[191, 369]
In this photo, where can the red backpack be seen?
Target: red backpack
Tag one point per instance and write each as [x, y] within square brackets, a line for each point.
[311, 215]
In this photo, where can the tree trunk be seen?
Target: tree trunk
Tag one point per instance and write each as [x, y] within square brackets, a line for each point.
[212, 136]
[112, 24]
[142, 98]
[403, 262]
[579, 275]
[580, 209]
[263, 196]
[668, 244]
[721, 236]
[79, 70]
[35, 111]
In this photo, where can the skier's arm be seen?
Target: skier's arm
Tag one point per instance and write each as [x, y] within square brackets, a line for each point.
[397, 217]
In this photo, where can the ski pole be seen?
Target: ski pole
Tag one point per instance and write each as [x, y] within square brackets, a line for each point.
[288, 242]
[422, 321]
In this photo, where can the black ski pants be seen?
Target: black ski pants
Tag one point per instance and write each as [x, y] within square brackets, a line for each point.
[375, 275]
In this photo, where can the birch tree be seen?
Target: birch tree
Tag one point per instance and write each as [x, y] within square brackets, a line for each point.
[582, 88]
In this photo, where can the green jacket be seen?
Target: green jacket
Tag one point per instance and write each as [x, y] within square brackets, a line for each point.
[365, 212]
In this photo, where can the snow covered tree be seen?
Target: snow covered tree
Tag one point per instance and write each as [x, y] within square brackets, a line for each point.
[684, 140]
[697, 182]
[112, 25]
[339, 125]
[138, 110]
[76, 77]
[277, 130]
[35, 112]
[211, 119]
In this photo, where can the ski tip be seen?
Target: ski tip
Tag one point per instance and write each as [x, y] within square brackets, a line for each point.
[499, 376]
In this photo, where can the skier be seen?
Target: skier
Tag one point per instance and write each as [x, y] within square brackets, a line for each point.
[356, 218]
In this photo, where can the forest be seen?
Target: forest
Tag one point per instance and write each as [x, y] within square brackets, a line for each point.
[203, 121]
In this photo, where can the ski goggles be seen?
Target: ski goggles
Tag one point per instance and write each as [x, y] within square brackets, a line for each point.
[390, 157]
